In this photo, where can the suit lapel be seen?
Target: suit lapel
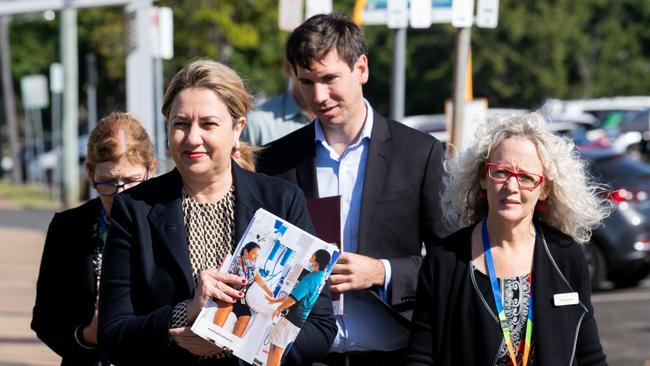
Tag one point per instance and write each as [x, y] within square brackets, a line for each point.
[166, 218]
[306, 168]
[376, 167]
[246, 201]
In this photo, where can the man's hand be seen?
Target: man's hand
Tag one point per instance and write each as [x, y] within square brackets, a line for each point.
[196, 345]
[354, 272]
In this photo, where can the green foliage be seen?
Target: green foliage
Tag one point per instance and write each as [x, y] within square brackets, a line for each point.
[554, 48]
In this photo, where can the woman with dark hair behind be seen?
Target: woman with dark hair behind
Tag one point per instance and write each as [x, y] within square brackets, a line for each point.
[169, 236]
[120, 155]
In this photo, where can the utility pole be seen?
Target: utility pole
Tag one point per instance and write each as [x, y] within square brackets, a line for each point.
[461, 53]
[70, 128]
[9, 100]
[398, 78]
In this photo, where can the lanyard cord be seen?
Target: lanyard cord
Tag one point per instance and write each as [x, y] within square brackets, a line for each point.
[499, 303]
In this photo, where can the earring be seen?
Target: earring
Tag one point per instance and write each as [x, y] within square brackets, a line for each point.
[482, 194]
[236, 154]
[541, 206]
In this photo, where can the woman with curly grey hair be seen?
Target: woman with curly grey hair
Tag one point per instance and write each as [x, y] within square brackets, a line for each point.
[513, 286]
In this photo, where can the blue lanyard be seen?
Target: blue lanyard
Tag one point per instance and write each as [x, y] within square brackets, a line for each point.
[496, 291]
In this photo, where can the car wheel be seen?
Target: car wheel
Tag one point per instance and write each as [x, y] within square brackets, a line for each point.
[632, 279]
[597, 265]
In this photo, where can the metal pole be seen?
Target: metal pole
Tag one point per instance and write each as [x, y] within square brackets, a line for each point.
[460, 77]
[70, 107]
[9, 101]
[29, 147]
[37, 115]
[398, 74]
[160, 140]
[56, 145]
[91, 90]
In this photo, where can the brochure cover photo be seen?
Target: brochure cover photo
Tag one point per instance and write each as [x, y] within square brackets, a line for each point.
[286, 269]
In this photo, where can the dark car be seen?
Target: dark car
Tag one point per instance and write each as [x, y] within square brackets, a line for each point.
[619, 250]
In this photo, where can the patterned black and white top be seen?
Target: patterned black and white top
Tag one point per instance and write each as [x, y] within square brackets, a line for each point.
[210, 229]
[515, 293]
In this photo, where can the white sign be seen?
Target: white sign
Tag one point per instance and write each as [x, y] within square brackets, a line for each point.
[56, 78]
[290, 14]
[34, 92]
[165, 49]
[462, 13]
[420, 14]
[487, 13]
[398, 14]
[315, 7]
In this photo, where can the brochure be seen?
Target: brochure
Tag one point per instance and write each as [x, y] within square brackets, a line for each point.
[326, 216]
[286, 269]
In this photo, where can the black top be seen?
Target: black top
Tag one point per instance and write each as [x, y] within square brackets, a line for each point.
[147, 269]
[455, 321]
[66, 288]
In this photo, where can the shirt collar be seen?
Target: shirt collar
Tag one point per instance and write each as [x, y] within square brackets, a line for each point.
[366, 131]
[290, 107]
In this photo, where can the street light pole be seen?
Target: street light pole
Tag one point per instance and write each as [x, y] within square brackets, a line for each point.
[9, 100]
[397, 90]
[70, 133]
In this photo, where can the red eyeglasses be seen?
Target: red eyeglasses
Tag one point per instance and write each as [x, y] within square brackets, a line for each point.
[501, 174]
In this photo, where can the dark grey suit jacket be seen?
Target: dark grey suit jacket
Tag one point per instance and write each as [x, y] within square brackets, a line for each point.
[400, 207]
[147, 269]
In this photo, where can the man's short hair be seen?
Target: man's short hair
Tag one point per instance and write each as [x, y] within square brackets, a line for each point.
[314, 39]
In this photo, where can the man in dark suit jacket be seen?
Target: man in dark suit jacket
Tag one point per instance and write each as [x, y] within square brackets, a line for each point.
[389, 177]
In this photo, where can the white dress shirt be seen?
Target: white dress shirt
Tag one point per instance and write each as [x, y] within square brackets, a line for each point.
[366, 324]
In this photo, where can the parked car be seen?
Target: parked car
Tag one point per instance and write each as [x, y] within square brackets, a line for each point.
[619, 250]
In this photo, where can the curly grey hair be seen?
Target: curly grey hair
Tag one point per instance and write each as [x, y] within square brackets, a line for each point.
[575, 204]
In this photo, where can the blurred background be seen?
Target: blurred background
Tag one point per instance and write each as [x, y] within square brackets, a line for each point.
[584, 64]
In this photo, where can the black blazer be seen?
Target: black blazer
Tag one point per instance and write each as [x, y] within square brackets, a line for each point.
[147, 269]
[455, 319]
[400, 207]
[66, 290]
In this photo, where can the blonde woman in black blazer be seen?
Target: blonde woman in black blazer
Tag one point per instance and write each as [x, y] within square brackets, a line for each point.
[161, 258]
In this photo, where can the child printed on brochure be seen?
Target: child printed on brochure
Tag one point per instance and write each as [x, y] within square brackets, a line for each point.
[298, 303]
[244, 266]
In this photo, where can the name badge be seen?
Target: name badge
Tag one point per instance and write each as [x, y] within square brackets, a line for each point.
[568, 298]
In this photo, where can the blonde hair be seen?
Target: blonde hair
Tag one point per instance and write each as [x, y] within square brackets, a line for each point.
[224, 82]
[119, 135]
[575, 204]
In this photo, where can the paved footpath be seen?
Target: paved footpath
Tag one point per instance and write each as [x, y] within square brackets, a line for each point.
[21, 247]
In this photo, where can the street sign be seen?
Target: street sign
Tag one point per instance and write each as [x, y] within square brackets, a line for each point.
[397, 14]
[56, 78]
[462, 13]
[375, 12]
[290, 14]
[162, 32]
[315, 7]
[34, 92]
[420, 14]
[487, 13]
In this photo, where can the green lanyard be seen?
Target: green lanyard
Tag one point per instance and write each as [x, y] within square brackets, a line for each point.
[499, 303]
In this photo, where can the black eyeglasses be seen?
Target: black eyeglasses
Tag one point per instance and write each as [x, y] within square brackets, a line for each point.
[111, 188]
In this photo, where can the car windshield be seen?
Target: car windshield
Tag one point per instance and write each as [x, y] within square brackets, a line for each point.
[620, 171]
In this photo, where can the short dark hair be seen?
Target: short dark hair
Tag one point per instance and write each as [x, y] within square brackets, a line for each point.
[322, 258]
[322, 33]
[248, 247]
